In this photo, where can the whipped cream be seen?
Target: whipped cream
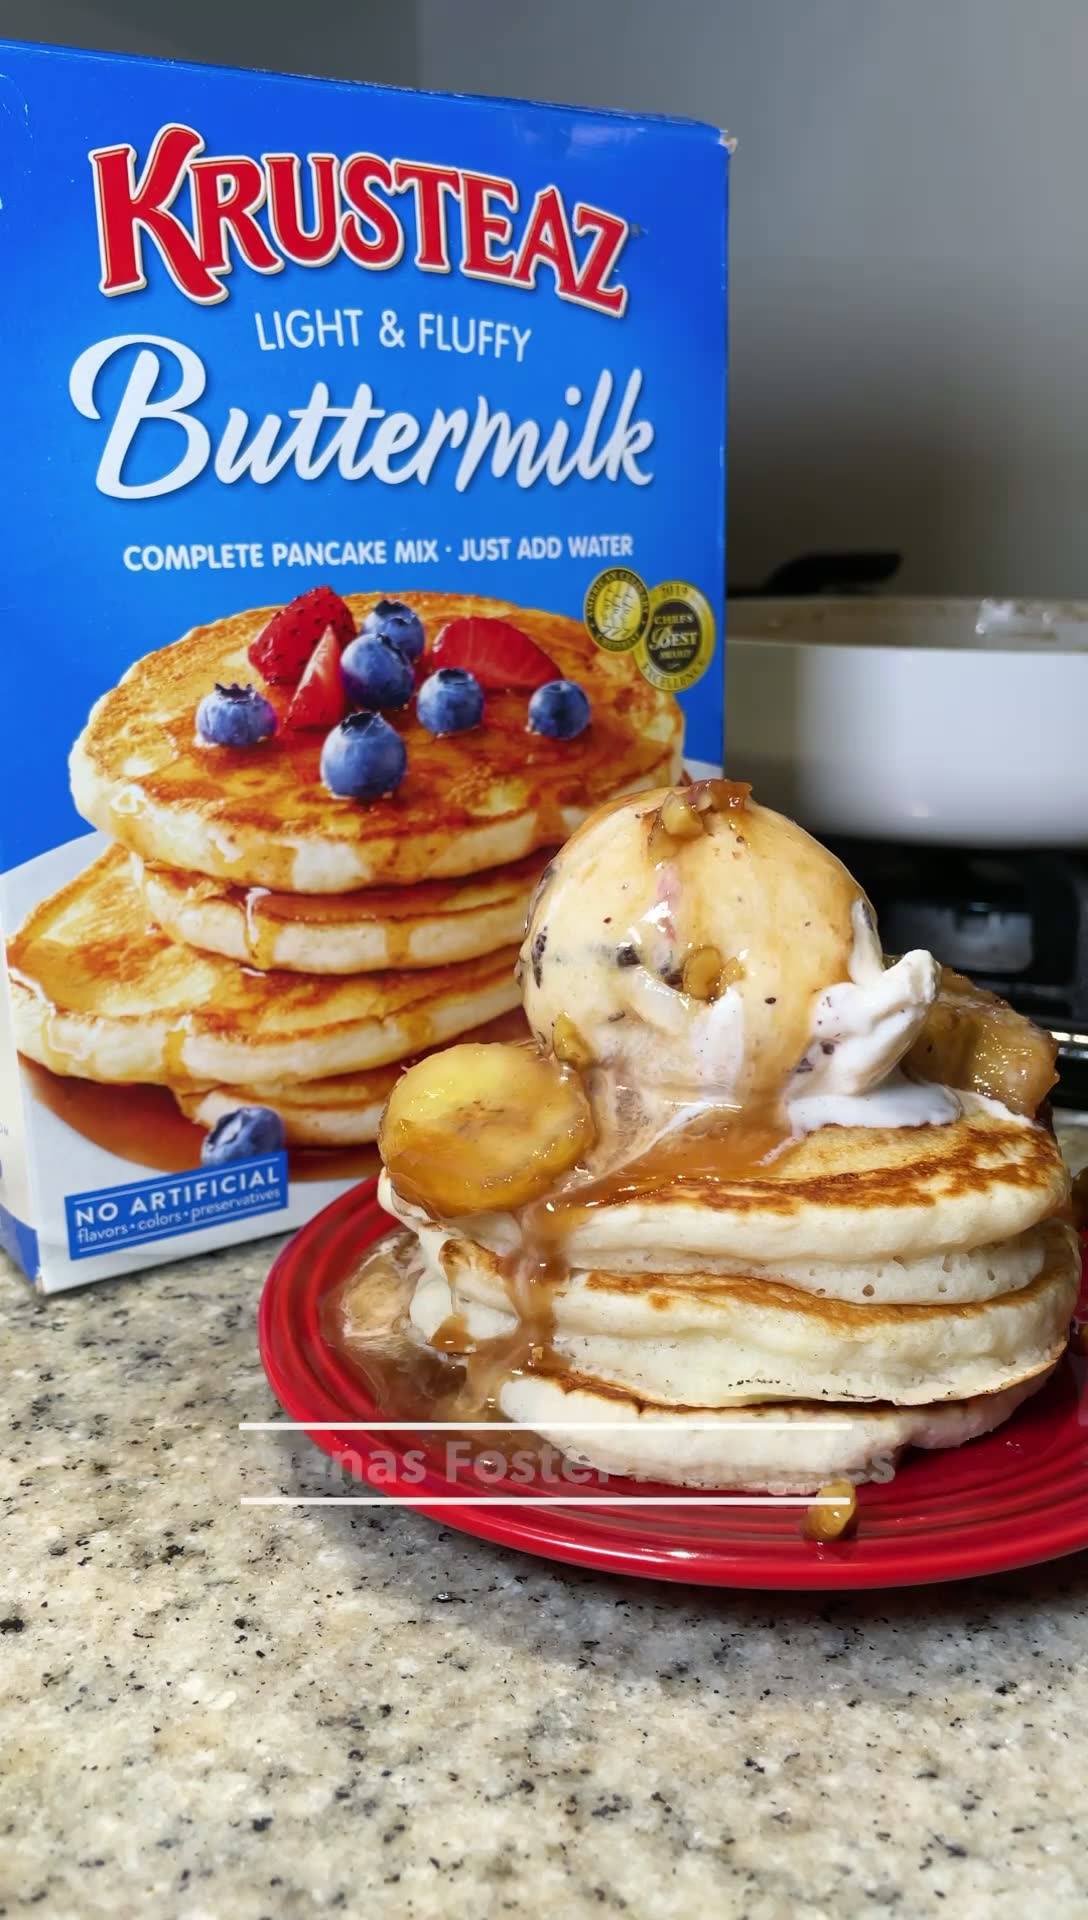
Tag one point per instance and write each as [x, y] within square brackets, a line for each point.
[861, 1028]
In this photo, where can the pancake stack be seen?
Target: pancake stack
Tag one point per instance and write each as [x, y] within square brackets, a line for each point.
[805, 1363]
[734, 1290]
[249, 938]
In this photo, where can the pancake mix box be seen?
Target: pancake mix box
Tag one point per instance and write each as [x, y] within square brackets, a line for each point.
[364, 483]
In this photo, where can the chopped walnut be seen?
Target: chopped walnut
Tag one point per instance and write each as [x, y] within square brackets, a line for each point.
[702, 971]
[569, 1046]
[684, 812]
[835, 1514]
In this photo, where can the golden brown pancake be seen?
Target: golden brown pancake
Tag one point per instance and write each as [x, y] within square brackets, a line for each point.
[339, 1112]
[429, 923]
[700, 1342]
[99, 993]
[794, 1446]
[260, 816]
[786, 1446]
[841, 1193]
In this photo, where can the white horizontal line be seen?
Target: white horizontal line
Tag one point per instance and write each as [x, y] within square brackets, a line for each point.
[505, 1426]
[546, 1500]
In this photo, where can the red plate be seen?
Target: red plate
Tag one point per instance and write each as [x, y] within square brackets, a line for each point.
[1016, 1497]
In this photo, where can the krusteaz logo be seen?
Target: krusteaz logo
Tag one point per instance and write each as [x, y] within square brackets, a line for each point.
[169, 1204]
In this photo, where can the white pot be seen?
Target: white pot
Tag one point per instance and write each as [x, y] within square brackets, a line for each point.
[962, 722]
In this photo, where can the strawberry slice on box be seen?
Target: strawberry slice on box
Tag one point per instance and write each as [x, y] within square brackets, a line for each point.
[320, 699]
[283, 648]
[498, 653]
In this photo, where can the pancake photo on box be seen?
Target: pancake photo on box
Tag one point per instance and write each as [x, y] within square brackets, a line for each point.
[754, 1205]
[325, 825]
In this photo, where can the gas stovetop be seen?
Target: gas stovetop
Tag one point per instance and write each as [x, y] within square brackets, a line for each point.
[1016, 922]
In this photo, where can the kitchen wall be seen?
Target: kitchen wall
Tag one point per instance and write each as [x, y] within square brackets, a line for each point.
[910, 236]
[349, 39]
[910, 257]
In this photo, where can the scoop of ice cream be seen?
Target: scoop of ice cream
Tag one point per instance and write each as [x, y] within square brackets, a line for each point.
[705, 947]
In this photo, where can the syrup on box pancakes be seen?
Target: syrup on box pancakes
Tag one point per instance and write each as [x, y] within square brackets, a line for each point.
[325, 741]
[342, 1111]
[427, 924]
[746, 1165]
[100, 994]
[261, 815]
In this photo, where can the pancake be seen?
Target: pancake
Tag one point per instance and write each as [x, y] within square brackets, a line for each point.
[782, 1449]
[702, 1341]
[98, 993]
[935, 1279]
[340, 1112]
[900, 1192]
[428, 924]
[261, 816]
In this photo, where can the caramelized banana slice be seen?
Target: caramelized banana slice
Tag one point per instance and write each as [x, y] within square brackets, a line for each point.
[974, 1040]
[481, 1126]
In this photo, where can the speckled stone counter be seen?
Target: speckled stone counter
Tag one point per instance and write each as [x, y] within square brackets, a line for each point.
[226, 1712]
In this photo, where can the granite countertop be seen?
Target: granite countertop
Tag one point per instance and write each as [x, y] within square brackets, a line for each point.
[220, 1711]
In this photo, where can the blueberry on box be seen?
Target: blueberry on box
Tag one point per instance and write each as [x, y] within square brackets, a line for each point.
[559, 709]
[235, 717]
[376, 673]
[451, 701]
[363, 758]
[391, 620]
[243, 1135]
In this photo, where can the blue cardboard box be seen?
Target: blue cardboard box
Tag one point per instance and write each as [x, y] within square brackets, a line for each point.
[290, 368]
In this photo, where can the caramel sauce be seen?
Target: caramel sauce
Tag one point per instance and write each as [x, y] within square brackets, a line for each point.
[265, 913]
[142, 1124]
[398, 944]
[417, 1030]
[320, 909]
[173, 1054]
[731, 795]
[531, 1277]
[397, 911]
[456, 1376]
[260, 937]
[453, 1335]
[333, 1163]
[366, 1319]
[718, 1149]
[417, 900]
[448, 1377]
